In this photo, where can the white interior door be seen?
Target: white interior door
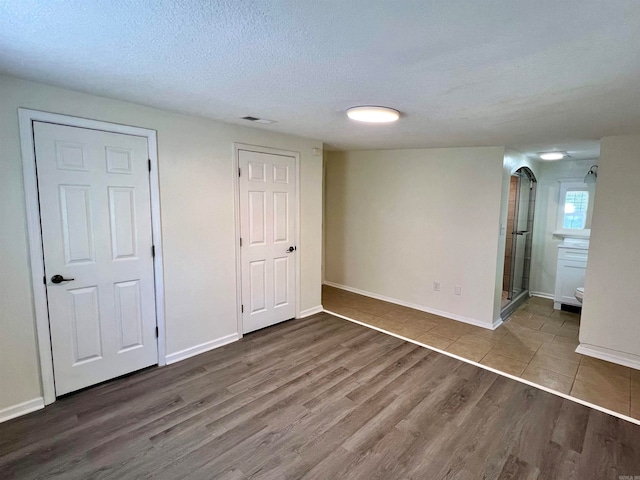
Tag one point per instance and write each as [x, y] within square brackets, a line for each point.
[95, 213]
[268, 253]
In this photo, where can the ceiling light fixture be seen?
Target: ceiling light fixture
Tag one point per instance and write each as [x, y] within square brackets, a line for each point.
[373, 114]
[258, 120]
[553, 155]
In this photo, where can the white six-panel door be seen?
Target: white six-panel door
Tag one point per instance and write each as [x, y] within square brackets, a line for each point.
[96, 232]
[268, 252]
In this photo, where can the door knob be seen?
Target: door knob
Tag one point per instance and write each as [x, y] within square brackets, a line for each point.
[291, 249]
[60, 279]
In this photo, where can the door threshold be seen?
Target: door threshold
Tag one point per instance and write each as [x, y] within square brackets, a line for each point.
[514, 304]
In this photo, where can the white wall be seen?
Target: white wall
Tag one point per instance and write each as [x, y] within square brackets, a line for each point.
[610, 322]
[545, 245]
[196, 188]
[398, 220]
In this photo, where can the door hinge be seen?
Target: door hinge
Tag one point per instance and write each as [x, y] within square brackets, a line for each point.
[240, 241]
[44, 279]
[153, 251]
[149, 164]
[238, 171]
[242, 308]
[157, 332]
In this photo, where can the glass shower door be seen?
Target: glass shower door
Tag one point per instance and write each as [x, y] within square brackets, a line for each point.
[520, 234]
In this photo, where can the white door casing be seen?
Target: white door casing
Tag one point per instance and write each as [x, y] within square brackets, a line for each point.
[268, 216]
[95, 214]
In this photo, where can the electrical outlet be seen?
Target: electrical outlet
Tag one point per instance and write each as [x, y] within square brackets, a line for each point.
[436, 286]
[458, 290]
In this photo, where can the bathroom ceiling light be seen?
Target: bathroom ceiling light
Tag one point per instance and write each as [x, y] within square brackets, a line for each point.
[373, 114]
[553, 155]
[591, 175]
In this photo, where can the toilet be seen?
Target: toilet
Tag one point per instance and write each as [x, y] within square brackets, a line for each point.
[579, 294]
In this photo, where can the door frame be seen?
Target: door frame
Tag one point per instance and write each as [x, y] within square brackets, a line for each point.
[26, 117]
[236, 204]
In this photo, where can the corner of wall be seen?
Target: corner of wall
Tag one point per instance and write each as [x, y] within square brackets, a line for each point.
[513, 160]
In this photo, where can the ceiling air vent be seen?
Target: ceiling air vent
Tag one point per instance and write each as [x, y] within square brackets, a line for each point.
[258, 120]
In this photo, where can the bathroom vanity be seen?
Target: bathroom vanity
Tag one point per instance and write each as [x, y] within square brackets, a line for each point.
[570, 271]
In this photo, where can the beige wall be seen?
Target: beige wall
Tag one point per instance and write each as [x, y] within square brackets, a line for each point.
[545, 245]
[610, 318]
[196, 189]
[398, 220]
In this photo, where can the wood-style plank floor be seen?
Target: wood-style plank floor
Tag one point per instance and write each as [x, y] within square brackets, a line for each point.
[318, 398]
[536, 343]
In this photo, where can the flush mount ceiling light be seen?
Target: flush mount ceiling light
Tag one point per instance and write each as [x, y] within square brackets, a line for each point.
[553, 155]
[258, 120]
[373, 114]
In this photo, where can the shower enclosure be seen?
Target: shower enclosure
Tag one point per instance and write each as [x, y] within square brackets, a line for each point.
[522, 197]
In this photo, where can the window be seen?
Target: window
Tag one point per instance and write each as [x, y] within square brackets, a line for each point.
[573, 209]
[576, 203]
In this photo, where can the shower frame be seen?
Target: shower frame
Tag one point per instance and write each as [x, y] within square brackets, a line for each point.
[520, 274]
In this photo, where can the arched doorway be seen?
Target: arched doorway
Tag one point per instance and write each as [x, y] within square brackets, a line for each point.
[520, 213]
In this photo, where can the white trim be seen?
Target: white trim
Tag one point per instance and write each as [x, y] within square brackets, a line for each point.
[156, 231]
[26, 118]
[542, 295]
[203, 347]
[567, 184]
[491, 369]
[310, 311]
[235, 166]
[21, 409]
[609, 355]
[236, 206]
[494, 324]
[564, 234]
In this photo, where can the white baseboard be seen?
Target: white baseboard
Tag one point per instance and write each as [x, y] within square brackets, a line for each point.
[21, 409]
[542, 294]
[310, 311]
[495, 324]
[203, 347]
[609, 355]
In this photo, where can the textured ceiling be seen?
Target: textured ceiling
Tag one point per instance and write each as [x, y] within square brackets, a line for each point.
[531, 75]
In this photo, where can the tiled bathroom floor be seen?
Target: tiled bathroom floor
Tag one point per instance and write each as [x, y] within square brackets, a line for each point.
[505, 299]
[536, 343]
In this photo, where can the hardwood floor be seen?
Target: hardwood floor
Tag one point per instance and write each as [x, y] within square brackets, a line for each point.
[318, 398]
[536, 343]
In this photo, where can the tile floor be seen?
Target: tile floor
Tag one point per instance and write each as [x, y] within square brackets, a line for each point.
[536, 343]
[505, 300]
